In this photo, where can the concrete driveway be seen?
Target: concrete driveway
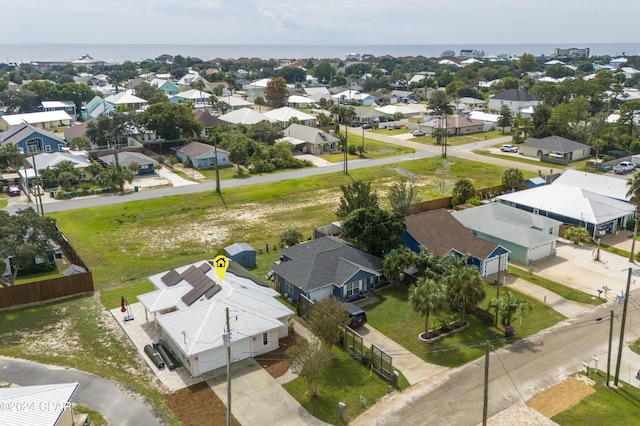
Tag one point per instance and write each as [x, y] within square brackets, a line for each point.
[258, 399]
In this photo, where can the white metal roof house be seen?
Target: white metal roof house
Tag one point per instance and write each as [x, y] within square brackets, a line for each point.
[126, 100]
[285, 114]
[190, 306]
[42, 120]
[245, 116]
[514, 99]
[527, 236]
[600, 184]
[42, 405]
[573, 206]
[199, 98]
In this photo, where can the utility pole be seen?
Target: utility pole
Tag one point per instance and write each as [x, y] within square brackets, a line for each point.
[215, 164]
[609, 353]
[485, 404]
[228, 344]
[624, 319]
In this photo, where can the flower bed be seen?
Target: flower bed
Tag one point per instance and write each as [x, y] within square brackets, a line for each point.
[434, 335]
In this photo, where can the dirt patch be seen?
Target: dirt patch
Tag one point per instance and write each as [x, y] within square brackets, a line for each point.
[562, 396]
[198, 405]
[276, 362]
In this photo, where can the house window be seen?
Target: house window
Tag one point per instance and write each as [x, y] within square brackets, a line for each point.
[60, 147]
[265, 339]
[352, 289]
[288, 288]
[47, 148]
[33, 145]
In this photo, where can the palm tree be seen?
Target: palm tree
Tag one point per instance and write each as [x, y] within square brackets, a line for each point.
[396, 262]
[507, 306]
[427, 297]
[465, 287]
[634, 194]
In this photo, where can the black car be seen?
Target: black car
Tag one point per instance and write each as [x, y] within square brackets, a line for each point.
[357, 315]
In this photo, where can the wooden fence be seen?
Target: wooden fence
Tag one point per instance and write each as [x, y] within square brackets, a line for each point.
[55, 288]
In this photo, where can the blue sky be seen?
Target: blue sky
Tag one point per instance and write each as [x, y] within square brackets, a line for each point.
[320, 22]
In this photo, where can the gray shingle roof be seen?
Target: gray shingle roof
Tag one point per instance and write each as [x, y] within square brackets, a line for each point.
[516, 95]
[555, 143]
[508, 224]
[325, 261]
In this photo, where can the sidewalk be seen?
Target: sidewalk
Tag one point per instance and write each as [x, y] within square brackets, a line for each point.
[558, 303]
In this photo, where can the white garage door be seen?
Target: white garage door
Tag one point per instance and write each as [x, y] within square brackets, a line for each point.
[492, 265]
[321, 293]
[540, 252]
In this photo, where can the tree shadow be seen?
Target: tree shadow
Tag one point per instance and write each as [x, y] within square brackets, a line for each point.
[522, 346]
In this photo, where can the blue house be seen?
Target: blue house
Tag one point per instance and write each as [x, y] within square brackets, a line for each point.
[327, 267]
[31, 139]
[95, 108]
[440, 233]
[201, 155]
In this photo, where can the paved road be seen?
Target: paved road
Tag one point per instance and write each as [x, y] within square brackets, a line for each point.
[422, 151]
[118, 405]
[517, 372]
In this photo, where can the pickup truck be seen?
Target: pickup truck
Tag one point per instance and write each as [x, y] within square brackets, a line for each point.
[624, 167]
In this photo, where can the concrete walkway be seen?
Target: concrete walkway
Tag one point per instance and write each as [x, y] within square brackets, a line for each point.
[258, 399]
[414, 369]
[558, 303]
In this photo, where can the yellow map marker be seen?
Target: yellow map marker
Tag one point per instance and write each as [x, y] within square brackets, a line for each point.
[221, 263]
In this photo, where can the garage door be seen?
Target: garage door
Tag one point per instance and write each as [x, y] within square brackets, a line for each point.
[321, 293]
[541, 252]
[491, 265]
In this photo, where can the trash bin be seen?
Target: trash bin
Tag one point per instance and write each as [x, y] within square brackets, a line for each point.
[135, 188]
[52, 193]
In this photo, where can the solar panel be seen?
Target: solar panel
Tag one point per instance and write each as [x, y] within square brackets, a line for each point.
[201, 283]
[193, 295]
[212, 291]
[205, 267]
[171, 278]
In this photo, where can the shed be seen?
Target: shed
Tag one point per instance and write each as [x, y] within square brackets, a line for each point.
[242, 253]
[534, 182]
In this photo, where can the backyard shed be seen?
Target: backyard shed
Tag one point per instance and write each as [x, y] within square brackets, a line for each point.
[242, 253]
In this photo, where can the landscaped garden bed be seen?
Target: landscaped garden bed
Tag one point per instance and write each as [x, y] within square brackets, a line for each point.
[440, 333]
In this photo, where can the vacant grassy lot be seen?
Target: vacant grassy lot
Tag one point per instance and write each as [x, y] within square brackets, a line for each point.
[393, 316]
[125, 243]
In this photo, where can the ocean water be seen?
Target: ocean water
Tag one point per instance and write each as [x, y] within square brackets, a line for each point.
[118, 53]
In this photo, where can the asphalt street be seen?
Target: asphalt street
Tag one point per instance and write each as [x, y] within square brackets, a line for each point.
[517, 372]
[118, 405]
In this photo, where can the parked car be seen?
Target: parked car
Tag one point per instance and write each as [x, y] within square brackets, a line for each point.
[357, 315]
[418, 132]
[13, 190]
[624, 167]
[366, 126]
[508, 148]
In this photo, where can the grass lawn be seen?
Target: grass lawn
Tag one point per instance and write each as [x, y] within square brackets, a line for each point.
[3, 202]
[344, 381]
[125, 243]
[607, 406]
[393, 316]
[561, 290]
[390, 131]
[635, 346]
[521, 159]
[74, 333]
[39, 277]
[373, 148]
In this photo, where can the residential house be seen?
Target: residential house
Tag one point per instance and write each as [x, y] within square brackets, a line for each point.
[145, 165]
[367, 115]
[245, 116]
[190, 305]
[202, 155]
[556, 147]
[52, 160]
[79, 129]
[254, 93]
[517, 101]
[67, 106]
[489, 121]
[297, 101]
[167, 86]
[285, 114]
[42, 120]
[310, 140]
[391, 110]
[190, 78]
[327, 267]
[441, 234]
[42, 405]
[457, 125]
[31, 139]
[95, 108]
[317, 93]
[208, 121]
[235, 102]
[127, 101]
[528, 237]
[345, 98]
[608, 186]
[198, 98]
[574, 206]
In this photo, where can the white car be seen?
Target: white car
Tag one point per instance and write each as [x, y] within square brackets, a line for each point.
[418, 132]
[624, 167]
[508, 148]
